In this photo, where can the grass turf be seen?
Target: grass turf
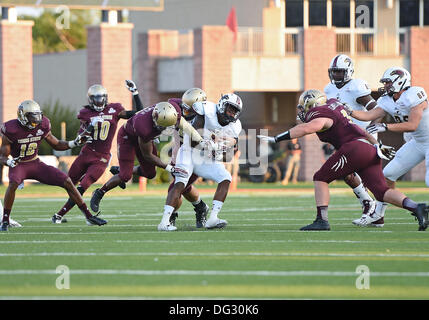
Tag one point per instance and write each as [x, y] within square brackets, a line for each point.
[259, 255]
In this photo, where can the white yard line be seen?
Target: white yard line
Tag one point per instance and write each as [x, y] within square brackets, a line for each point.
[260, 273]
[215, 254]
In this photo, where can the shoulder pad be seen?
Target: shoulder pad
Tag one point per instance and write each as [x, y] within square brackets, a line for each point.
[414, 96]
[359, 88]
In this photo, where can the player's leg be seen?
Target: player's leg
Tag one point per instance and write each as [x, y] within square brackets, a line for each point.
[374, 179]
[355, 182]
[349, 158]
[184, 162]
[52, 176]
[200, 207]
[126, 152]
[407, 157]
[215, 171]
[16, 176]
[77, 170]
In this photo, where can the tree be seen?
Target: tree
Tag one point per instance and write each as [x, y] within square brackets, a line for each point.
[49, 35]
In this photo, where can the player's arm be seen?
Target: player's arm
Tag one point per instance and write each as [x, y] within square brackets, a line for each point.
[176, 146]
[62, 145]
[126, 114]
[300, 130]
[416, 114]
[5, 152]
[367, 102]
[146, 149]
[370, 115]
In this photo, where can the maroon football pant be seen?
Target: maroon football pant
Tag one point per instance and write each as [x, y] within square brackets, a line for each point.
[128, 148]
[88, 167]
[355, 156]
[39, 171]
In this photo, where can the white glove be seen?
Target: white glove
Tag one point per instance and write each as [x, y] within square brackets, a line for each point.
[12, 163]
[96, 120]
[131, 86]
[177, 172]
[266, 138]
[385, 152]
[376, 127]
[209, 145]
[80, 140]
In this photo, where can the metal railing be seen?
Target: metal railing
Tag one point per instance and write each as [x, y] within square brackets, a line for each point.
[267, 42]
[355, 41]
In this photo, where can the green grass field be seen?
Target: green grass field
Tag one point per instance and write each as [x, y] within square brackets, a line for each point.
[259, 255]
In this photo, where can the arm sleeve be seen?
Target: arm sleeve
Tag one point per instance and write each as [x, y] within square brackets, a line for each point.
[137, 102]
[189, 130]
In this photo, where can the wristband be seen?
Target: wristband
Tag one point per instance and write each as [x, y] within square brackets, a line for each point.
[169, 168]
[71, 144]
[282, 136]
[135, 93]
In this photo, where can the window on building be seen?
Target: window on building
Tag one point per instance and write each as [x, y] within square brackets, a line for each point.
[364, 12]
[426, 12]
[408, 13]
[294, 13]
[317, 13]
[341, 13]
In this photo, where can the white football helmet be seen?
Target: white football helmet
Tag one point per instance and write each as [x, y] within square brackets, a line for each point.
[229, 104]
[343, 63]
[395, 79]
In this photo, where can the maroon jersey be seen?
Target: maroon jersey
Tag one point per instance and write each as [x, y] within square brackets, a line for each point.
[103, 131]
[24, 141]
[343, 129]
[142, 125]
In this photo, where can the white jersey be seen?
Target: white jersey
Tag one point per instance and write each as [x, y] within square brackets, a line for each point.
[352, 90]
[211, 123]
[400, 111]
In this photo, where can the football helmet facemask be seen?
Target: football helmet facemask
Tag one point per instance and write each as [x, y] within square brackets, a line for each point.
[341, 69]
[229, 108]
[309, 99]
[164, 115]
[395, 79]
[189, 98]
[29, 114]
[97, 97]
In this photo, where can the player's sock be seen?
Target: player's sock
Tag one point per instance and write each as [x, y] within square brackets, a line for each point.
[409, 204]
[362, 194]
[196, 203]
[168, 210]
[6, 215]
[380, 208]
[70, 203]
[216, 207]
[103, 189]
[322, 212]
[85, 210]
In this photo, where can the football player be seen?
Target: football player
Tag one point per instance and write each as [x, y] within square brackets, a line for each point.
[21, 140]
[356, 151]
[357, 95]
[99, 119]
[408, 105]
[135, 138]
[190, 193]
[219, 122]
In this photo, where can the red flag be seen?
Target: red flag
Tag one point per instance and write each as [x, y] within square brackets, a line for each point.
[231, 22]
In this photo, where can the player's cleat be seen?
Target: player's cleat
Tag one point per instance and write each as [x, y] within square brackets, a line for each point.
[216, 223]
[378, 224]
[318, 225]
[4, 226]
[173, 218]
[95, 221]
[115, 170]
[201, 215]
[421, 215]
[14, 224]
[367, 220]
[56, 218]
[166, 227]
[97, 195]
